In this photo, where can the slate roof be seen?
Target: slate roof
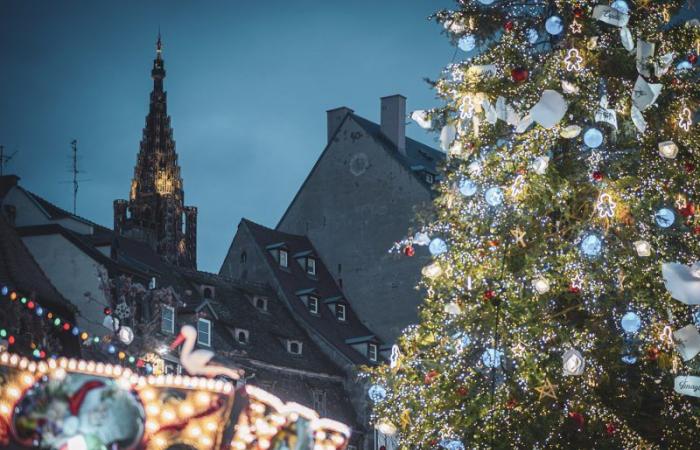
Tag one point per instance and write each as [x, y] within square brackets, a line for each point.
[294, 280]
[20, 271]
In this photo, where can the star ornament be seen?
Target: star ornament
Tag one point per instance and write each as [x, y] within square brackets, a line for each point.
[547, 390]
[519, 236]
[518, 350]
[576, 27]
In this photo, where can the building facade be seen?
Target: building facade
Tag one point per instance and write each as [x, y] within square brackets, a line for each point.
[364, 194]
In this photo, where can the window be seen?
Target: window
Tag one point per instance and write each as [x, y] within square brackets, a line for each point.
[340, 312]
[429, 178]
[242, 335]
[372, 352]
[319, 399]
[294, 347]
[244, 257]
[204, 332]
[313, 305]
[311, 266]
[167, 319]
[208, 292]
[283, 258]
[261, 303]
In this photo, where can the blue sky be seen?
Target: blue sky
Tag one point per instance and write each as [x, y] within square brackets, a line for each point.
[248, 86]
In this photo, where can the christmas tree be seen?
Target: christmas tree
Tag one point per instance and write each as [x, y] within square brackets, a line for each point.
[559, 309]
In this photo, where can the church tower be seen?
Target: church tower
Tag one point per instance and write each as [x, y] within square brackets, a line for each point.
[155, 212]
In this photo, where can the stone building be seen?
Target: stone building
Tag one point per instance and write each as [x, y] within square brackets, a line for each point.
[155, 212]
[362, 195]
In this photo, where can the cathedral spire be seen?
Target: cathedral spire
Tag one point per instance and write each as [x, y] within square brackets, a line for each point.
[155, 212]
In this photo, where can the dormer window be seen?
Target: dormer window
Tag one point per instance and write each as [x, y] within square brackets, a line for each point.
[294, 347]
[372, 351]
[208, 292]
[284, 258]
[313, 304]
[311, 266]
[429, 178]
[167, 319]
[261, 303]
[242, 336]
[340, 312]
[204, 332]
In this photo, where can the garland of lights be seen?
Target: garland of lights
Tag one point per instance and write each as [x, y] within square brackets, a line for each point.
[572, 152]
[63, 325]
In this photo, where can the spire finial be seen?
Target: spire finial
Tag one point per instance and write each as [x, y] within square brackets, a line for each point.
[159, 46]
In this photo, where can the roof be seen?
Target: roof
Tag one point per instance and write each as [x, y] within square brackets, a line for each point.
[233, 304]
[418, 158]
[293, 280]
[19, 269]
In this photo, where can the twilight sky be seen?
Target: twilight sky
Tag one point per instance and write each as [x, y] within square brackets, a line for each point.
[248, 85]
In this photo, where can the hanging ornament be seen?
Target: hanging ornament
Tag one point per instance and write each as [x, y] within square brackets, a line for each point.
[519, 75]
[430, 377]
[490, 294]
[686, 119]
[547, 389]
[665, 217]
[467, 188]
[508, 26]
[519, 235]
[532, 36]
[377, 393]
[467, 43]
[541, 285]
[461, 341]
[409, 250]
[687, 341]
[578, 12]
[577, 418]
[573, 362]
[540, 164]
[437, 247]
[643, 248]
[431, 271]
[576, 27]
[491, 358]
[591, 245]
[593, 138]
[421, 239]
[554, 25]
[385, 427]
[631, 322]
[422, 118]
[597, 175]
[621, 5]
[126, 335]
[682, 282]
[668, 149]
[605, 206]
[453, 309]
[452, 444]
[494, 196]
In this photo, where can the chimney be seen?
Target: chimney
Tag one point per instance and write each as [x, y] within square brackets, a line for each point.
[335, 118]
[393, 120]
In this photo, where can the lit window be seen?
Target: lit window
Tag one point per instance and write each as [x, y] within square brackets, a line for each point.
[283, 258]
[340, 312]
[294, 347]
[167, 319]
[261, 303]
[242, 335]
[204, 332]
[372, 352]
[311, 266]
[313, 305]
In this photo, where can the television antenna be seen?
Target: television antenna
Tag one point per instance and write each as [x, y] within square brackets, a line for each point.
[4, 159]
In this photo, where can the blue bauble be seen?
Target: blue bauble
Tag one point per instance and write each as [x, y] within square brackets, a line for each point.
[665, 217]
[683, 66]
[377, 393]
[554, 25]
[491, 358]
[451, 444]
[621, 5]
[593, 138]
[467, 188]
[494, 196]
[461, 340]
[591, 245]
[467, 43]
[437, 247]
[631, 322]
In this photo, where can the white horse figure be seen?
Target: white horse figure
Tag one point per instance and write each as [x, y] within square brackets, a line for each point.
[196, 362]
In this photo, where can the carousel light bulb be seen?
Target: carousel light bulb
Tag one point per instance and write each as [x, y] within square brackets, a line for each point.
[668, 149]
[643, 248]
